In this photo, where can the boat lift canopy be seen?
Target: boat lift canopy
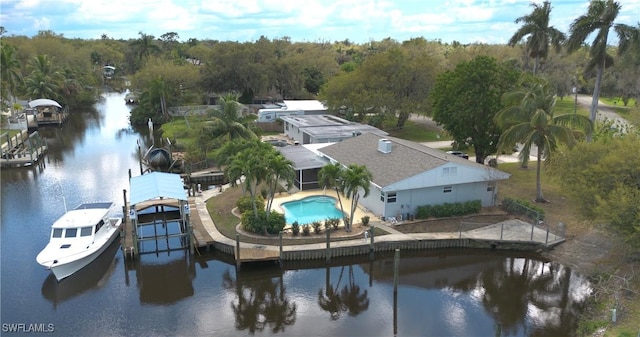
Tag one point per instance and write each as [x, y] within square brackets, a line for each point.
[43, 102]
[156, 185]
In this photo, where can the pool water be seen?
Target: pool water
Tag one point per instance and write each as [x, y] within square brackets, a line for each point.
[310, 209]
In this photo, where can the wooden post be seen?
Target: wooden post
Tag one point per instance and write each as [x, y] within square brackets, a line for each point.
[328, 253]
[280, 236]
[238, 250]
[371, 243]
[140, 159]
[501, 230]
[396, 270]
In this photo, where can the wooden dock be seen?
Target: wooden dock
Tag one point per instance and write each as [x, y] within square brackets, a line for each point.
[23, 149]
[255, 254]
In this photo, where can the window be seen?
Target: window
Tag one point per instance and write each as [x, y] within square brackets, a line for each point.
[447, 189]
[491, 186]
[71, 233]
[86, 231]
[391, 197]
[99, 225]
[57, 232]
[65, 246]
[449, 171]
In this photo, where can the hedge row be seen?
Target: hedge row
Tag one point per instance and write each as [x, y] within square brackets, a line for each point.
[448, 209]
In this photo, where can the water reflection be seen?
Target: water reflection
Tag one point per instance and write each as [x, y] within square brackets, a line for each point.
[350, 298]
[164, 279]
[261, 300]
[523, 294]
[93, 276]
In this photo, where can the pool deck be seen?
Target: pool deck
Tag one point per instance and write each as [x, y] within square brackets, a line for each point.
[507, 234]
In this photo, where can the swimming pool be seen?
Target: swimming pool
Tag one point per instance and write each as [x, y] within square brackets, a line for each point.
[310, 209]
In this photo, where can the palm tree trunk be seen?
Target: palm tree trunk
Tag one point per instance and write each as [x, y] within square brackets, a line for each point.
[539, 196]
[596, 97]
[536, 65]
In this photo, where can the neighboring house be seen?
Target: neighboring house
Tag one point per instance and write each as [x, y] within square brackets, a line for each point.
[405, 174]
[324, 129]
[272, 112]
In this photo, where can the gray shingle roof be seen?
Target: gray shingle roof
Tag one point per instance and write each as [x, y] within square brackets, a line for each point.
[405, 160]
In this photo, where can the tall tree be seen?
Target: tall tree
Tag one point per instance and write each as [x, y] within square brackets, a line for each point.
[144, 46]
[227, 122]
[330, 176]
[529, 119]
[44, 80]
[540, 34]
[279, 170]
[10, 73]
[355, 178]
[466, 99]
[599, 19]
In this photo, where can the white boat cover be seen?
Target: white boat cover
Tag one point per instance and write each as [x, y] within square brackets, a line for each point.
[154, 185]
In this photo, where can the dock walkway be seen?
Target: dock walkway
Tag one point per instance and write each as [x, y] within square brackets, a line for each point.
[510, 234]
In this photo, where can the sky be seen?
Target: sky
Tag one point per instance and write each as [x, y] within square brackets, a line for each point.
[359, 21]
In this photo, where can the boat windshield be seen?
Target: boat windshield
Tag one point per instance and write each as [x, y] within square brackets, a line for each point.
[86, 231]
[71, 233]
[57, 233]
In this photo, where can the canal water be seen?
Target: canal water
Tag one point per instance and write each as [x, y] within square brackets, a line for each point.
[439, 293]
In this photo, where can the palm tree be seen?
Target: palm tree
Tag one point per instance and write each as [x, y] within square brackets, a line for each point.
[355, 177]
[227, 123]
[279, 169]
[44, 80]
[536, 26]
[528, 119]
[330, 176]
[10, 72]
[145, 46]
[599, 19]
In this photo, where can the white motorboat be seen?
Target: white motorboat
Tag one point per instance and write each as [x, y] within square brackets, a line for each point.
[79, 237]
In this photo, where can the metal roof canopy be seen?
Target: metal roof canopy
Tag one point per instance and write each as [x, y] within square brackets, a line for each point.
[156, 185]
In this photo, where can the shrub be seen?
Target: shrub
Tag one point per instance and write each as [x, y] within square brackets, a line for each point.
[523, 207]
[448, 209]
[365, 220]
[295, 228]
[317, 227]
[263, 224]
[333, 222]
[244, 203]
[306, 229]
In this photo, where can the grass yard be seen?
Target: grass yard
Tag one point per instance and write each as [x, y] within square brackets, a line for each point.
[418, 133]
[10, 132]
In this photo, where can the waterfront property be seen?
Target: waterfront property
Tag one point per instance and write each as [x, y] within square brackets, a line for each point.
[48, 112]
[405, 174]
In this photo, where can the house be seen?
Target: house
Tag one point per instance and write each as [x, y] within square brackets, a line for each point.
[405, 174]
[324, 129]
[273, 112]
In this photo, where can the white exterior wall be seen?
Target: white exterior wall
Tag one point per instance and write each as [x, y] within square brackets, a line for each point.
[420, 190]
[294, 132]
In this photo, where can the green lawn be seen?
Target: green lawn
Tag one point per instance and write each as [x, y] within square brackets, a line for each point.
[10, 132]
[418, 133]
[567, 105]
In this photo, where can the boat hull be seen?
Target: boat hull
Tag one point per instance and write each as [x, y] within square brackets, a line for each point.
[63, 270]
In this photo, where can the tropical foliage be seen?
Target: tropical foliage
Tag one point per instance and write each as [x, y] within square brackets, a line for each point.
[540, 34]
[599, 19]
[466, 99]
[603, 180]
[528, 118]
[355, 183]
